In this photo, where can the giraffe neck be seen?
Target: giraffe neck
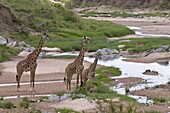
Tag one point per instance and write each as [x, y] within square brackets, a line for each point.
[81, 54]
[38, 49]
[93, 65]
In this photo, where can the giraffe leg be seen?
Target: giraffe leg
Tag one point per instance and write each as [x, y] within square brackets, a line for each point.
[32, 77]
[81, 74]
[18, 77]
[79, 71]
[69, 85]
[77, 80]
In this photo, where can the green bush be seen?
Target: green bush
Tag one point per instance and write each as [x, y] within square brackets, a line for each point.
[6, 53]
[7, 105]
[25, 102]
[109, 71]
[159, 99]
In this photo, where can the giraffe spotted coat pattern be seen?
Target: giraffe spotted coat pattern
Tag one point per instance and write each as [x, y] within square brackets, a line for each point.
[30, 64]
[76, 66]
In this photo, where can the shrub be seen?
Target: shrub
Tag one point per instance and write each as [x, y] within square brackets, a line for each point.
[25, 102]
[8, 105]
[159, 99]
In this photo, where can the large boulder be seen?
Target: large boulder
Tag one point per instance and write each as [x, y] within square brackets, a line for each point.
[161, 49]
[3, 40]
[106, 51]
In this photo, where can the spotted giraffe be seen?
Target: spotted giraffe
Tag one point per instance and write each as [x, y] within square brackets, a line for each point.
[30, 64]
[89, 73]
[76, 66]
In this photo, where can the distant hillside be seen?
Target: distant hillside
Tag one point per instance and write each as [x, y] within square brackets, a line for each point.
[162, 4]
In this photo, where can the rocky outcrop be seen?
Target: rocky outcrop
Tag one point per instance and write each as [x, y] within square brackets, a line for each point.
[106, 51]
[12, 42]
[8, 22]
[149, 72]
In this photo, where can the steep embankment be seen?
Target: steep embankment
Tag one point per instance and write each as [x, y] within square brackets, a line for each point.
[7, 20]
[163, 4]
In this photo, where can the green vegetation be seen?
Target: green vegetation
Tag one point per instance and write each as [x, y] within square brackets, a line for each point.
[122, 14]
[34, 110]
[60, 57]
[168, 82]
[101, 90]
[6, 53]
[109, 71]
[159, 99]
[64, 27]
[60, 93]
[128, 4]
[152, 112]
[1, 98]
[7, 105]
[66, 111]
[43, 98]
[25, 102]
[127, 90]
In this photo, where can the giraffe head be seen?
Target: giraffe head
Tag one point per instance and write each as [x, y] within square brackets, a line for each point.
[45, 37]
[97, 55]
[86, 40]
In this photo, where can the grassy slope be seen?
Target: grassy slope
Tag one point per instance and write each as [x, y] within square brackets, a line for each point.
[6, 53]
[125, 4]
[63, 25]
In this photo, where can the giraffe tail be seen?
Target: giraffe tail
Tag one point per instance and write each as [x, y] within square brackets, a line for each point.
[65, 80]
[17, 78]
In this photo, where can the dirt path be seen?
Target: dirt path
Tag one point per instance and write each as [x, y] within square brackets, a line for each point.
[49, 75]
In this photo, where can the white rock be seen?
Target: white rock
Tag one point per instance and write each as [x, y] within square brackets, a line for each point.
[3, 40]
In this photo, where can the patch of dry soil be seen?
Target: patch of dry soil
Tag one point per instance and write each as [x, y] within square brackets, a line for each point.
[153, 57]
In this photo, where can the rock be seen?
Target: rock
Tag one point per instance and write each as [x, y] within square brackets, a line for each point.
[116, 100]
[34, 100]
[65, 97]
[25, 49]
[81, 95]
[161, 49]
[149, 72]
[42, 54]
[21, 44]
[26, 45]
[163, 62]
[55, 49]
[124, 40]
[106, 51]
[121, 46]
[3, 40]
[54, 98]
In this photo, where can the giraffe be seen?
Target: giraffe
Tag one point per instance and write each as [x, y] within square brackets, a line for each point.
[30, 64]
[89, 73]
[76, 66]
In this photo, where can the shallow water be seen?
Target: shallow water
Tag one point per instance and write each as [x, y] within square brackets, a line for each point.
[144, 34]
[131, 69]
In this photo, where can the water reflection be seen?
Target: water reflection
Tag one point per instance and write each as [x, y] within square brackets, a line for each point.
[163, 63]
